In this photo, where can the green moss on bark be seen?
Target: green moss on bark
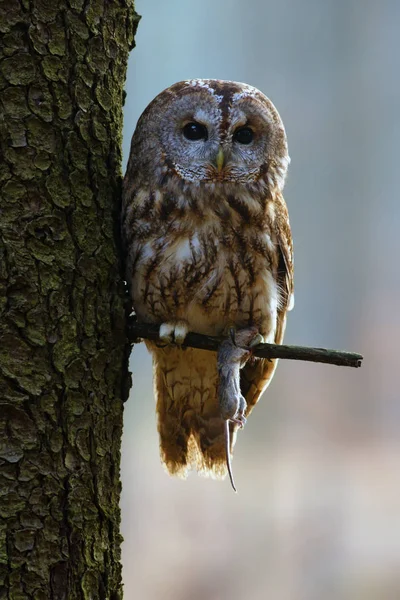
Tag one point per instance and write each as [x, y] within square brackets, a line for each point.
[63, 348]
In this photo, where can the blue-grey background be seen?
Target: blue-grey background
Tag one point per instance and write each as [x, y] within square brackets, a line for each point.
[317, 466]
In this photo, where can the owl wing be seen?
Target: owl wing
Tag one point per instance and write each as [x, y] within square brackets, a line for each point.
[256, 375]
[285, 257]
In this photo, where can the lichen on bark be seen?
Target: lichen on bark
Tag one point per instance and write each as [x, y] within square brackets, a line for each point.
[63, 345]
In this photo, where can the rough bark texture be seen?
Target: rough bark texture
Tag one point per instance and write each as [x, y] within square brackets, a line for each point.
[63, 346]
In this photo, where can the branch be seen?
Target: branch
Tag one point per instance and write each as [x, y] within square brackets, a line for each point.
[206, 342]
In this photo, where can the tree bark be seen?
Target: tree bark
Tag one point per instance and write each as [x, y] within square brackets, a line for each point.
[63, 345]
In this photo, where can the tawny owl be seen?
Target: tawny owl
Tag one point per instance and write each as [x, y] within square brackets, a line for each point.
[207, 246]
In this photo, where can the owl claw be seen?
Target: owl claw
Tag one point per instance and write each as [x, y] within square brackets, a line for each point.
[257, 339]
[174, 332]
[232, 335]
[240, 337]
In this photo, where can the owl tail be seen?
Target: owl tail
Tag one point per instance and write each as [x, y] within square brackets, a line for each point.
[191, 429]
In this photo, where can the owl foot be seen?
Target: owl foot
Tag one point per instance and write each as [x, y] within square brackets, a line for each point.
[246, 338]
[174, 332]
[257, 339]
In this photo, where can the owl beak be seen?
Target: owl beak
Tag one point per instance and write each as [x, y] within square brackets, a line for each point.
[220, 160]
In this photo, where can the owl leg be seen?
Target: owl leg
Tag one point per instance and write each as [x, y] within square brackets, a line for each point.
[174, 331]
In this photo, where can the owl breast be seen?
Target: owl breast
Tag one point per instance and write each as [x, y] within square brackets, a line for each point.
[210, 269]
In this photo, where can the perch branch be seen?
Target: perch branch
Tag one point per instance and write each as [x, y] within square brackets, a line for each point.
[206, 342]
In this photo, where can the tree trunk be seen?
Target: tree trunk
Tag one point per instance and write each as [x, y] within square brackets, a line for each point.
[63, 346]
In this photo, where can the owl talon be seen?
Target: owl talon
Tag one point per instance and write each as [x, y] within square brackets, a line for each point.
[232, 335]
[174, 332]
[257, 339]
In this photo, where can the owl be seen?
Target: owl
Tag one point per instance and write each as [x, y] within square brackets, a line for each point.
[207, 247]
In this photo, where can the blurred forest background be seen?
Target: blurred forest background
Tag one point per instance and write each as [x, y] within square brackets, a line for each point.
[317, 465]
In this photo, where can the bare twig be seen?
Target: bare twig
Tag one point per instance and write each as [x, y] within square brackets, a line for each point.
[206, 342]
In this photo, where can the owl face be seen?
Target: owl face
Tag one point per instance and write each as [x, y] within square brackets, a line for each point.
[212, 131]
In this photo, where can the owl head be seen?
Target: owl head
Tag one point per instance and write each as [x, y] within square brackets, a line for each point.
[208, 131]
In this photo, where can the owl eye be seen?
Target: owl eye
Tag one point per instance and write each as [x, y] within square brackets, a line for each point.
[243, 135]
[195, 131]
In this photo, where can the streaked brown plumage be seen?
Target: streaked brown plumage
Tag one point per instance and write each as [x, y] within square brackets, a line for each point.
[208, 246]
